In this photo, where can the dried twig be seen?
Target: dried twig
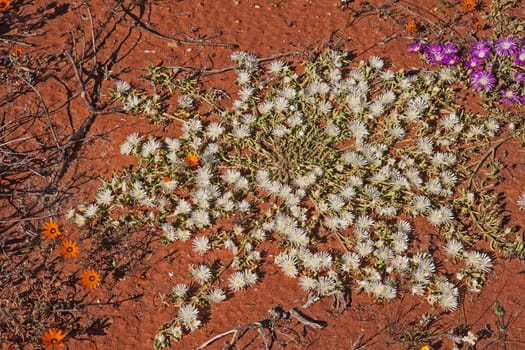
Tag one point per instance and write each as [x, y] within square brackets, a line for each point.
[206, 41]
[274, 316]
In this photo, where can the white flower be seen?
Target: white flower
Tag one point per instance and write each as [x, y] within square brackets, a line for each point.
[307, 283]
[91, 210]
[287, 263]
[214, 131]
[425, 145]
[364, 222]
[183, 207]
[276, 67]
[134, 139]
[376, 109]
[478, 261]
[185, 102]
[376, 62]
[280, 104]
[104, 197]
[364, 249]
[137, 192]
[279, 131]
[201, 244]
[150, 147]
[131, 102]
[236, 281]
[400, 263]
[521, 201]
[182, 235]
[203, 176]
[387, 75]
[454, 248]
[387, 97]
[241, 131]
[172, 144]
[79, 220]
[350, 262]
[180, 290]
[420, 204]
[243, 77]
[294, 120]
[175, 331]
[324, 107]
[447, 75]
[448, 302]
[216, 295]
[168, 232]
[122, 86]
[450, 122]
[169, 185]
[332, 130]
[188, 316]
[441, 216]
[492, 126]
[325, 286]
[126, 148]
[201, 273]
[200, 218]
[470, 338]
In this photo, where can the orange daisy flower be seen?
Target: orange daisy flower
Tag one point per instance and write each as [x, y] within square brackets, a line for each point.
[469, 5]
[90, 278]
[53, 337]
[18, 52]
[476, 24]
[51, 230]
[69, 249]
[411, 27]
[192, 160]
[4, 5]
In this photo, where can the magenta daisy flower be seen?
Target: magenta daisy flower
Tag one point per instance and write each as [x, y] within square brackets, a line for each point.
[481, 49]
[505, 46]
[450, 49]
[483, 80]
[474, 63]
[435, 54]
[509, 97]
[518, 77]
[416, 47]
[520, 57]
[450, 60]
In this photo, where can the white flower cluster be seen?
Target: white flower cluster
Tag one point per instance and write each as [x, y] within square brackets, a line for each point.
[349, 153]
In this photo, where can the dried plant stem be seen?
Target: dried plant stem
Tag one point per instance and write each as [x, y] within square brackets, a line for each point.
[274, 315]
[491, 152]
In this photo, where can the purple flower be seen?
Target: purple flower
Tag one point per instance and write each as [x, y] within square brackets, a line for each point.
[433, 49]
[505, 46]
[520, 57]
[482, 80]
[474, 63]
[436, 54]
[481, 52]
[509, 97]
[450, 49]
[480, 44]
[450, 60]
[416, 47]
[480, 49]
[518, 77]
